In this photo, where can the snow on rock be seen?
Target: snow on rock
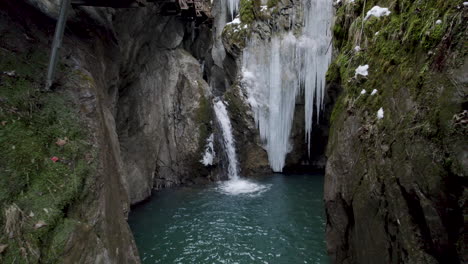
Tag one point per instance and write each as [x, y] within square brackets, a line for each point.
[374, 92]
[377, 11]
[362, 70]
[236, 21]
[380, 113]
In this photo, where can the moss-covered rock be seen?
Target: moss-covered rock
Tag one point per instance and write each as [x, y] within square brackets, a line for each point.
[394, 186]
[35, 128]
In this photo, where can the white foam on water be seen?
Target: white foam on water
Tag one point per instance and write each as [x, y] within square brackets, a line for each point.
[235, 185]
[242, 187]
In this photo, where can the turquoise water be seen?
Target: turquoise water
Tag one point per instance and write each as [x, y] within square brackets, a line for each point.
[282, 222]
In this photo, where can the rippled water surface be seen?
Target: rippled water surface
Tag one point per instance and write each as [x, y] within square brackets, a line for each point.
[280, 221]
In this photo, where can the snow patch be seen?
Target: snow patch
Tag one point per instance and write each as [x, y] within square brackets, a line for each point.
[438, 22]
[377, 11]
[236, 21]
[380, 113]
[363, 91]
[357, 48]
[374, 92]
[362, 70]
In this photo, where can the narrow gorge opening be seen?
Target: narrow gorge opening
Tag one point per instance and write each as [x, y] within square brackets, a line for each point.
[194, 131]
[252, 215]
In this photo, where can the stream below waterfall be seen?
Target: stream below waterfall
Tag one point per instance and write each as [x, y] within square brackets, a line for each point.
[275, 219]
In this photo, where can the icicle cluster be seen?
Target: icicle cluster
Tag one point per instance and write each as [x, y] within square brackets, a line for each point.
[233, 6]
[274, 73]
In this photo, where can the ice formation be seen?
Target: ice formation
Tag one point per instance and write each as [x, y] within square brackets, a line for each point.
[276, 72]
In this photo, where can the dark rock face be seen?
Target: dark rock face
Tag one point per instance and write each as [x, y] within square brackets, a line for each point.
[144, 101]
[395, 187]
[159, 100]
[100, 233]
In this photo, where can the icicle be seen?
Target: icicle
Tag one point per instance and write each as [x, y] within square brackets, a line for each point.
[274, 72]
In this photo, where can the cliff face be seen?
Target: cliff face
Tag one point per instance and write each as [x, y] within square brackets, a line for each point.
[163, 107]
[395, 184]
[129, 112]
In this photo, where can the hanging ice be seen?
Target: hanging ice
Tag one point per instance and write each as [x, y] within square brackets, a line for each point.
[274, 73]
[233, 6]
[270, 72]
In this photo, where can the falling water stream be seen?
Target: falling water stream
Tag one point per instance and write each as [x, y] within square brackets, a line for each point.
[235, 185]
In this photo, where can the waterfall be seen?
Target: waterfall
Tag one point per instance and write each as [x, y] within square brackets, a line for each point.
[235, 185]
[228, 140]
[276, 72]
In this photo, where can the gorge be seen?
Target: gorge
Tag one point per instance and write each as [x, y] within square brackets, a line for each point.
[166, 132]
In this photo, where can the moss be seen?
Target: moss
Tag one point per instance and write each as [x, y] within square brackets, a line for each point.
[204, 115]
[272, 3]
[59, 238]
[32, 121]
[248, 10]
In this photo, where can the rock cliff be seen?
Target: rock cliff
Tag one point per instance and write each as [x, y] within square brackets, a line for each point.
[129, 112]
[395, 184]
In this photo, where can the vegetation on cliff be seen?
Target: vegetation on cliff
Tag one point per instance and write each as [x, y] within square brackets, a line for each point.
[45, 156]
[409, 167]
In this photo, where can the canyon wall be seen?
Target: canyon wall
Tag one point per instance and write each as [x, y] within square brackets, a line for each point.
[395, 184]
[129, 112]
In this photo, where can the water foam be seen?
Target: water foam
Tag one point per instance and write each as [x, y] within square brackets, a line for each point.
[235, 185]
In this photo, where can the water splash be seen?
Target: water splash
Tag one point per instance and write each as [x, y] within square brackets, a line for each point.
[276, 72]
[235, 185]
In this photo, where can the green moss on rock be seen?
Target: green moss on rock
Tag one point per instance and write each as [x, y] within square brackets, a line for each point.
[31, 122]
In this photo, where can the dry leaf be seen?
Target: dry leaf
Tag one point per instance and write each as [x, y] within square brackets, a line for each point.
[39, 224]
[2, 248]
[61, 142]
